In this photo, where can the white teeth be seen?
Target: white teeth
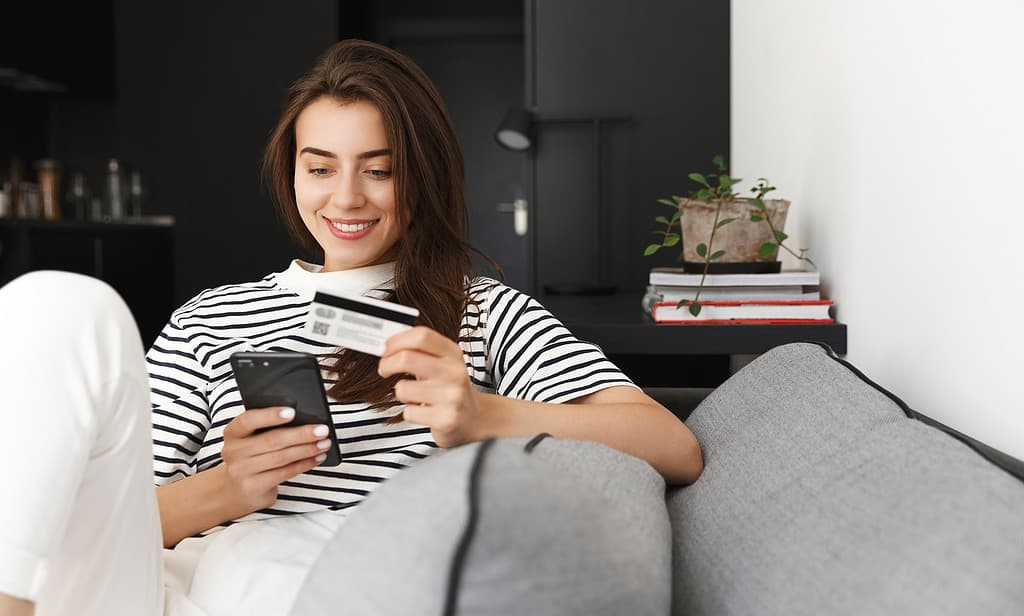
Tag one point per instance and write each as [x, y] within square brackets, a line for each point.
[347, 228]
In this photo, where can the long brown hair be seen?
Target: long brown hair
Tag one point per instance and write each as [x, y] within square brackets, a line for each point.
[432, 262]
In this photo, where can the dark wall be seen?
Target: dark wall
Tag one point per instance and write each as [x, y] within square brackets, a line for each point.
[665, 64]
[69, 46]
[199, 88]
[48, 55]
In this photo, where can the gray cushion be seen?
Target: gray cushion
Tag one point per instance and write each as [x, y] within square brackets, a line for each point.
[571, 528]
[821, 496]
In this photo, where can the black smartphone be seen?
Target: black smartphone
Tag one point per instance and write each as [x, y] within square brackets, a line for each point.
[273, 378]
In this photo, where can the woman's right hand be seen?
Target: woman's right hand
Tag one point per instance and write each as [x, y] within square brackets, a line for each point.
[256, 463]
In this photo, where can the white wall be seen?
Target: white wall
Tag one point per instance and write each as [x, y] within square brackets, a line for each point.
[896, 127]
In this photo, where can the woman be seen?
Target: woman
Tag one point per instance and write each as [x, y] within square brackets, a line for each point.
[366, 169]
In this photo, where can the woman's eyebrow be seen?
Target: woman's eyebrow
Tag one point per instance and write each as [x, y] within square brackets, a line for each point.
[362, 156]
[317, 152]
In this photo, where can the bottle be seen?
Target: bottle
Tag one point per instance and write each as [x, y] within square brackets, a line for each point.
[78, 197]
[135, 195]
[16, 176]
[115, 194]
[28, 201]
[96, 211]
[48, 174]
[5, 200]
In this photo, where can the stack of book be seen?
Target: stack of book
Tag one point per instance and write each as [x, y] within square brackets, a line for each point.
[785, 297]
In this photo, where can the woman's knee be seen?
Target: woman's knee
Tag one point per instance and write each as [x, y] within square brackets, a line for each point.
[61, 296]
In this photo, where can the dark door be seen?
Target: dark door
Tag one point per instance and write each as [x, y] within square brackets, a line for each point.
[479, 68]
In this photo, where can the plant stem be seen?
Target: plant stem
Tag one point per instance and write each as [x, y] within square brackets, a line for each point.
[768, 219]
[668, 229]
[707, 255]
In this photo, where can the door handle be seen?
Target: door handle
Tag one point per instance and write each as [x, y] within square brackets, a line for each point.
[520, 218]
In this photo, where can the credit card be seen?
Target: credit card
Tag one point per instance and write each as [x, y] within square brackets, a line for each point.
[356, 322]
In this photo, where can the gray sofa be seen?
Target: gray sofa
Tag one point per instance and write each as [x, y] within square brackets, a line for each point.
[822, 494]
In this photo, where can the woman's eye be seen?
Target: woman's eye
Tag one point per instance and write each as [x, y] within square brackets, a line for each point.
[319, 171]
[379, 174]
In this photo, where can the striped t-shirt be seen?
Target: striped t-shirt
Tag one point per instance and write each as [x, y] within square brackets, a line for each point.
[511, 345]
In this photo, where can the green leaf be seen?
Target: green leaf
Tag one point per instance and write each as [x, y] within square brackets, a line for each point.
[727, 182]
[670, 240]
[667, 202]
[768, 249]
[718, 254]
[780, 236]
[808, 259]
[662, 220]
[650, 250]
[722, 223]
[702, 249]
[704, 193]
[719, 161]
[676, 215]
[695, 308]
[756, 218]
[758, 203]
[700, 179]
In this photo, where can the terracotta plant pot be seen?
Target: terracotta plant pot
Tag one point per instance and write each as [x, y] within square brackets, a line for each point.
[741, 240]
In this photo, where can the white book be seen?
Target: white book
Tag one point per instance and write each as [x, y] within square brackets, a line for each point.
[673, 276]
[711, 294]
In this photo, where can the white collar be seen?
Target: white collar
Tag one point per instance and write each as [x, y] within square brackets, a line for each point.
[306, 279]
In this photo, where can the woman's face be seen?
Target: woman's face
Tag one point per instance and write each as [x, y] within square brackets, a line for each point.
[343, 183]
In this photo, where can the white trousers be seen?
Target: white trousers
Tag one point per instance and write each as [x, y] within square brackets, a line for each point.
[79, 524]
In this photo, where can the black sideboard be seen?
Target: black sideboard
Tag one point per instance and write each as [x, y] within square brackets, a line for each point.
[668, 355]
[135, 258]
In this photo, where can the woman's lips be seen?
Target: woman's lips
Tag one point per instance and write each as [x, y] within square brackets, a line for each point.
[350, 235]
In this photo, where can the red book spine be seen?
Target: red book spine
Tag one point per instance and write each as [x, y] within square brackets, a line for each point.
[744, 321]
[794, 302]
[750, 320]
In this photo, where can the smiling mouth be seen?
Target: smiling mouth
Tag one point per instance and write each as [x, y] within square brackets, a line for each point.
[352, 228]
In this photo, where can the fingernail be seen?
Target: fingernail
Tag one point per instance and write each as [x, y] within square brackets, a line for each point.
[287, 412]
[320, 431]
[321, 457]
[324, 444]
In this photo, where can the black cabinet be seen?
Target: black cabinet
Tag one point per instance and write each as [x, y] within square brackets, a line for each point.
[136, 259]
[668, 355]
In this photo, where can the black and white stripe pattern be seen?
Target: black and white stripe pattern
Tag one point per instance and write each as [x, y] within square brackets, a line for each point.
[511, 345]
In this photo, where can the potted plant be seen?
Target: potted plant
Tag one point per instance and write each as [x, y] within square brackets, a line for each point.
[722, 232]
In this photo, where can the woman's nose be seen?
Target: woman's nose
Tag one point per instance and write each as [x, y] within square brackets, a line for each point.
[347, 192]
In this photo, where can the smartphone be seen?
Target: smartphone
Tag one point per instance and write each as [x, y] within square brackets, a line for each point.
[273, 378]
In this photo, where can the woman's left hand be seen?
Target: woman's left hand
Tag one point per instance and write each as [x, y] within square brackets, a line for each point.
[441, 397]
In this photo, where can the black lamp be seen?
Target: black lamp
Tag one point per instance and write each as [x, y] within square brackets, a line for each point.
[514, 130]
[516, 133]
